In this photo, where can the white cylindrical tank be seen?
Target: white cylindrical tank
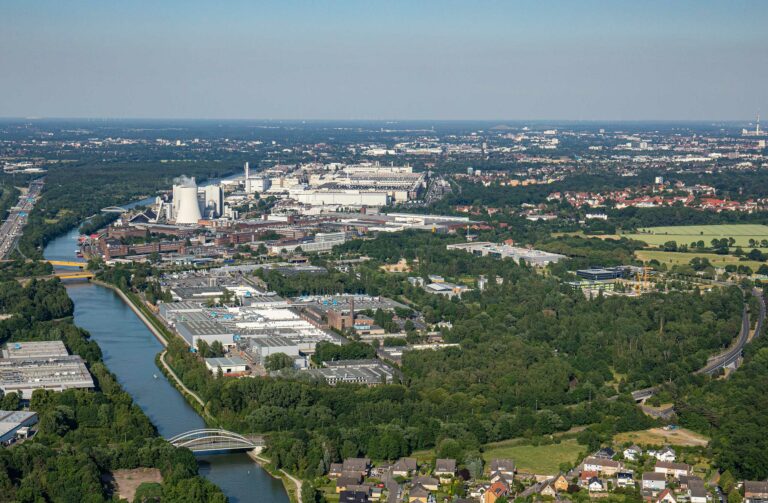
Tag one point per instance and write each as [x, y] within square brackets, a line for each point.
[187, 207]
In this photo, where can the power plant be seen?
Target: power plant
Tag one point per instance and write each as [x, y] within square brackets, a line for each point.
[186, 207]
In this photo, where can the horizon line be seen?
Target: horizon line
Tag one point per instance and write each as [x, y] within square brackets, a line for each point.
[387, 120]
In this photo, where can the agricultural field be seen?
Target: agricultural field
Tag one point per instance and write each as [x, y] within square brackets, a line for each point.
[679, 258]
[660, 436]
[538, 459]
[686, 234]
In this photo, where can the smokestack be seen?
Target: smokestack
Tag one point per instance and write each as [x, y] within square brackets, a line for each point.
[247, 170]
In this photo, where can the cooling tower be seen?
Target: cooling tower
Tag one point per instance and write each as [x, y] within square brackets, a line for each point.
[187, 207]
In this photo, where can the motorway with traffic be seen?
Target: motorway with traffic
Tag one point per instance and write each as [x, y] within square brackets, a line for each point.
[12, 227]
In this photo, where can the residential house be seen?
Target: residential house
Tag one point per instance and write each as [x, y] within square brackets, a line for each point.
[625, 479]
[585, 476]
[697, 493]
[353, 497]
[595, 485]
[403, 467]
[335, 470]
[429, 483]
[669, 469]
[604, 466]
[348, 480]
[530, 491]
[360, 465]
[496, 491]
[654, 482]
[633, 453]
[418, 494]
[605, 453]
[500, 477]
[560, 483]
[445, 468]
[548, 488]
[503, 466]
[665, 496]
[666, 454]
[755, 491]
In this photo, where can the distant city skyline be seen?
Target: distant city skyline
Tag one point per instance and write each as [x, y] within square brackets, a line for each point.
[345, 60]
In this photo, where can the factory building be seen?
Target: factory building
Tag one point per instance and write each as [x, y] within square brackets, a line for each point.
[368, 372]
[322, 242]
[230, 366]
[28, 366]
[529, 256]
[208, 331]
[213, 201]
[261, 347]
[350, 197]
[15, 424]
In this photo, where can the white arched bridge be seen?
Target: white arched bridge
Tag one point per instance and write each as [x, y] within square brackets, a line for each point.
[208, 440]
[114, 209]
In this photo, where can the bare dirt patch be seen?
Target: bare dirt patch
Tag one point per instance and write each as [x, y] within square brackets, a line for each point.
[125, 482]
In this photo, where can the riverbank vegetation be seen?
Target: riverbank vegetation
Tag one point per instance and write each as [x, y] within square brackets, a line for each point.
[82, 435]
[75, 192]
[534, 358]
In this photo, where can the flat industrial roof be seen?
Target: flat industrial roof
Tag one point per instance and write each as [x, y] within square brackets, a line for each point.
[232, 361]
[36, 349]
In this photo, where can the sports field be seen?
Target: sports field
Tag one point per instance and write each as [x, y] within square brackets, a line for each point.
[686, 234]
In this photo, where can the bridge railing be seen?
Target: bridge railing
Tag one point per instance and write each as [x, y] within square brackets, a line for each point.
[211, 439]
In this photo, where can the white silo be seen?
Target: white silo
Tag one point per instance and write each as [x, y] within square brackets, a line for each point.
[185, 205]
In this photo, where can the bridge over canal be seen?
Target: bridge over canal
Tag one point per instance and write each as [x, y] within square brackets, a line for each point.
[210, 440]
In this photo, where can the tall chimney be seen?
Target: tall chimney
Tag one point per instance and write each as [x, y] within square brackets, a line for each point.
[247, 171]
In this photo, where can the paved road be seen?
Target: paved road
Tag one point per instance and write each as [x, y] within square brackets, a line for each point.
[393, 488]
[731, 356]
[12, 228]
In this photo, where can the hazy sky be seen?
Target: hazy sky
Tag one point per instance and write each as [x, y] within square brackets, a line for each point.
[387, 59]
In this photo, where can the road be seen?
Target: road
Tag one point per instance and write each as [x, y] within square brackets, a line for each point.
[12, 228]
[394, 490]
[731, 356]
[734, 353]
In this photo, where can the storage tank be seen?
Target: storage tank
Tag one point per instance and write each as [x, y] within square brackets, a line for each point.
[186, 205]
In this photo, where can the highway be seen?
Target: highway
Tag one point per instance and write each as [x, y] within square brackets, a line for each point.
[12, 228]
[731, 356]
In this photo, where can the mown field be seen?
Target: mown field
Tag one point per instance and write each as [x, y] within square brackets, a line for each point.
[538, 459]
[659, 437]
[678, 258]
[686, 234]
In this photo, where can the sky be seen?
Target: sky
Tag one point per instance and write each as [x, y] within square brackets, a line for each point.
[389, 59]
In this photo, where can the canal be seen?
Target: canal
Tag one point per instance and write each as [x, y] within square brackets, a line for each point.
[129, 350]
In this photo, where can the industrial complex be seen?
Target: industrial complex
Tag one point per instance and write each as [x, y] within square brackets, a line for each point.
[29, 366]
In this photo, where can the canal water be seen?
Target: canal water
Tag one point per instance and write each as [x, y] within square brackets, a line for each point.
[129, 350]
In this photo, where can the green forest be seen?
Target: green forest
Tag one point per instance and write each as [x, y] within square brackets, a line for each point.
[82, 434]
[534, 358]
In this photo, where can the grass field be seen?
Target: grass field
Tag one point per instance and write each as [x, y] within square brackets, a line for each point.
[676, 258]
[685, 234]
[541, 459]
[658, 436]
